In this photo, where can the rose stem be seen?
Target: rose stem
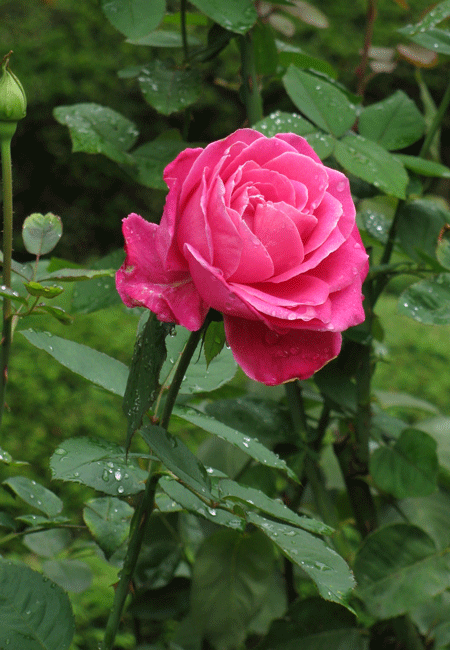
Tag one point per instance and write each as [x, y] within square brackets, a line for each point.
[5, 143]
[311, 469]
[250, 89]
[146, 505]
[183, 29]
[436, 123]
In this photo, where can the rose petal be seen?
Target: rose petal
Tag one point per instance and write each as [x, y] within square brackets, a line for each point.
[273, 358]
[338, 270]
[327, 214]
[192, 223]
[280, 237]
[272, 186]
[260, 151]
[299, 144]
[339, 187]
[143, 281]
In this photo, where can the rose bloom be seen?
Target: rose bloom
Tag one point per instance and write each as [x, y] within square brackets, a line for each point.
[260, 230]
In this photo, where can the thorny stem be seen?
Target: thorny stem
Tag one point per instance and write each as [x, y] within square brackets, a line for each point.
[251, 95]
[361, 69]
[146, 505]
[5, 143]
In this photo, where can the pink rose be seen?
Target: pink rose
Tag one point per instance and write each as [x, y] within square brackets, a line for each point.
[260, 230]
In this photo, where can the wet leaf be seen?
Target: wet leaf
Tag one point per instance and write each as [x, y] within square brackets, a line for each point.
[134, 18]
[167, 88]
[35, 495]
[41, 233]
[428, 301]
[108, 520]
[235, 15]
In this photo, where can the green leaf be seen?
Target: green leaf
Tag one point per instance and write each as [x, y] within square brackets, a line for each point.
[48, 543]
[214, 340]
[235, 15]
[36, 521]
[134, 18]
[266, 53]
[77, 275]
[6, 521]
[434, 39]
[167, 88]
[164, 38]
[143, 381]
[367, 160]
[35, 495]
[395, 122]
[5, 456]
[324, 566]
[282, 122]
[199, 377]
[232, 491]
[432, 18]
[231, 578]
[99, 464]
[247, 444]
[35, 614]
[323, 103]
[153, 157]
[428, 301]
[196, 506]
[397, 568]
[98, 129]
[71, 575]
[95, 366]
[389, 399]
[56, 312]
[36, 289]
[408, 468]
[98, 293]
[376, 215]
[6, 292]
[315, 624]
[177, 458]
[108, 520]
[419, 225]
[41, 232]
[289, 54]
[423, 167]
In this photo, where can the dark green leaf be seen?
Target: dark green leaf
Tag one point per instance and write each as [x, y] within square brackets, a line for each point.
[5, 457]
[143, 381]
[196, 506]
[167, 88]
[323, 103]
[408, 468]
[95, 366]
[232, 491]
[432, 18]
[41, 232]
[231, 577]
[390, 399]
[367, 160]
[71, 575]
[424, 167]
[292, 55]
[434, 39]
[98, 129]
[324, 566]
[398, 568]
[6, 521]
[77, 275]
[35, 495]
[36, 289]
[214, 340]
[48, 543]
[394, 123]
[37, 521]
[235, 15]
[419, 225]
[98, 293]
[428, 301]
[322, 143]
[178, 459]
[153, 157]
[99, 464]
[281, 122]
[134, 18]
[315, 624]
[249, 445]
[108, 520]
[56, 312]
[376, 215]
[35, 613]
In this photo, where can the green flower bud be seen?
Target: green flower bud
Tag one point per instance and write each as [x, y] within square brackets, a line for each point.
[13, 102]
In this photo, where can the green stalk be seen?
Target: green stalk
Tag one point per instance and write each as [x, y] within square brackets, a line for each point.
[436, 123]
[183, 30]
[5, 143]
[146, 505]
[249, 89]
[311, 468]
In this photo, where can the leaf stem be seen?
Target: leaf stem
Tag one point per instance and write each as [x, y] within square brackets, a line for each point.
[145, 508]
[251, 95]
[5, 144]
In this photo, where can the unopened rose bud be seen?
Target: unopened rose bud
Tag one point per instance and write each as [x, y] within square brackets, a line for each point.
[13, 101]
